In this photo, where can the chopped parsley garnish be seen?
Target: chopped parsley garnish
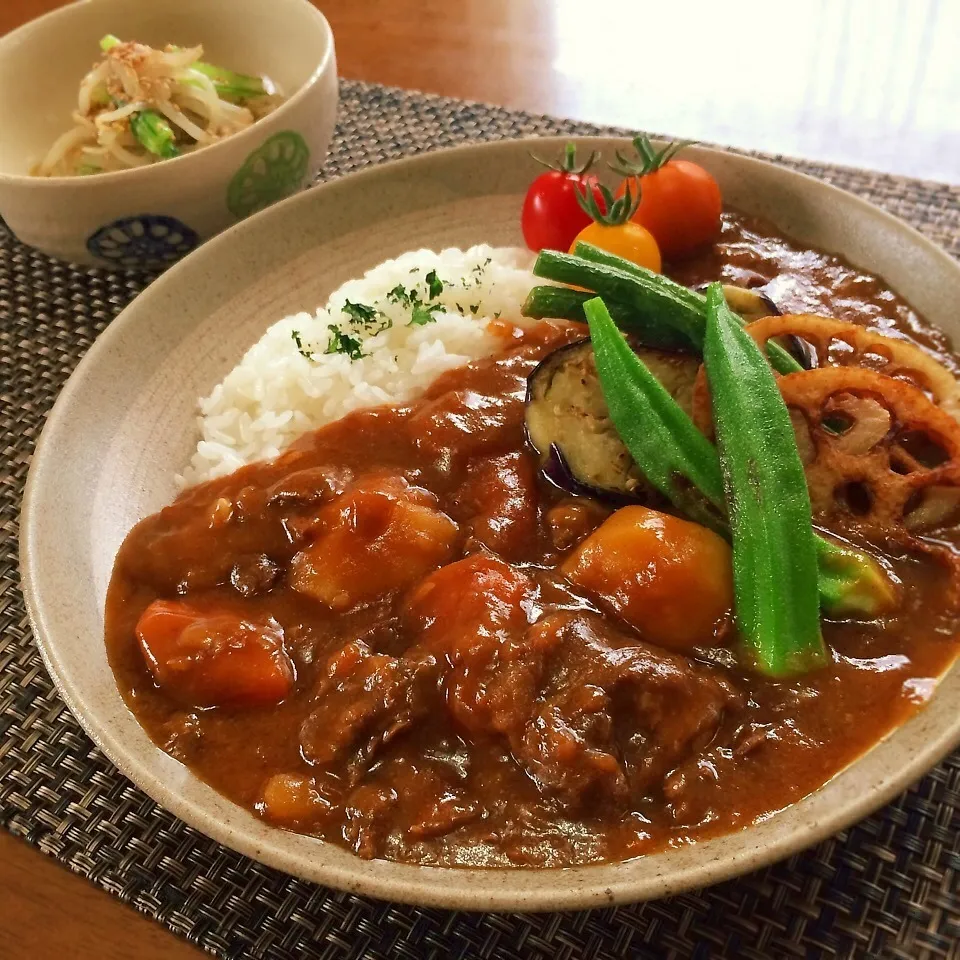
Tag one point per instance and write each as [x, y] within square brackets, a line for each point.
[365, 319]
[434, 285]
[423, 314]
[301, 349]
[360, 313]
[496, 316]
[478, 270]
[420, 313]
[341, 342]
[474, 307]
[400, 294]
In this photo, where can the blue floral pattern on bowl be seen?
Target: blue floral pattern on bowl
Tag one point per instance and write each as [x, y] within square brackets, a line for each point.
[149, 241]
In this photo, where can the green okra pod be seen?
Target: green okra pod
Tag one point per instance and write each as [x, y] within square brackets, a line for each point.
[564, 303]
[851, 582]
[775, 564]
[655, 300]
[677, 459]
[660, 305]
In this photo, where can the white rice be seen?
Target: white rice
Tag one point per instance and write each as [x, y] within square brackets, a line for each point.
[280, 391]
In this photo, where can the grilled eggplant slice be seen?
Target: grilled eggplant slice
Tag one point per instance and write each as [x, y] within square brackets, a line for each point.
[755, 305]
[749, 304]
[568, 424]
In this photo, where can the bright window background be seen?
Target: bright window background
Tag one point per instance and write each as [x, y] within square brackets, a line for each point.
[874, 83]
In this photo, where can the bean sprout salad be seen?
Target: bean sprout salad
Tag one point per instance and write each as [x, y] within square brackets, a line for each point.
[139, 105]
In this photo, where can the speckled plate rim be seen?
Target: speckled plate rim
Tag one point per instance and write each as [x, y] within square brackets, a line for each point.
[890, 767]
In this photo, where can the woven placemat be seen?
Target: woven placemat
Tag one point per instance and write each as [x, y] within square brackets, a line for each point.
[887, 887]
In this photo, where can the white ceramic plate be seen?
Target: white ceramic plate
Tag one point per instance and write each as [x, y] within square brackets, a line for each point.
[125, 423]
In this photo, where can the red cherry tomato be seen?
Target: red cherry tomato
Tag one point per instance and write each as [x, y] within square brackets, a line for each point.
[680, 202]
[551, 215]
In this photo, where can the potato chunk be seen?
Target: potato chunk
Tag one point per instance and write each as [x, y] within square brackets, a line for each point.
[374, 540]
[291, 798]
[669, 578]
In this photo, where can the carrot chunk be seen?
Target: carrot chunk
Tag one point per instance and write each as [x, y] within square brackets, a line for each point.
[470, 617]
[468, 604]
[211, 658]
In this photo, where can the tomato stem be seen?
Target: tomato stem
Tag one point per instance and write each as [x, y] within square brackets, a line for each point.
[617, 210]
[568, 162]
[648, 159]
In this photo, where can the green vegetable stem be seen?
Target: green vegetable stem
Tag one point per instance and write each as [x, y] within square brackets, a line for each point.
[231, 85]
[774, 548]
[150, 128]
[154, 133]
[678, 460]
[664, 307]
[564, 303]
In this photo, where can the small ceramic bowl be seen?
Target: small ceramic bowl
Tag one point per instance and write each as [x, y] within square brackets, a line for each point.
[149, 217]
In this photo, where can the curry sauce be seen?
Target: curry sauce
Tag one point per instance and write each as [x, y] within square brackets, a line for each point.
[459, 699]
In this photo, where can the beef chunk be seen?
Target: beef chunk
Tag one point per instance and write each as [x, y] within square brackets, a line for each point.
[367, 816]
[615, 716]
[499, 504]
[363, 701]
[309, 486]
[254, 575]
[590, 712]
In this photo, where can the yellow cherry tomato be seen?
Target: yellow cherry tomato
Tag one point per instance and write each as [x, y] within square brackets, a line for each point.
[628, 240]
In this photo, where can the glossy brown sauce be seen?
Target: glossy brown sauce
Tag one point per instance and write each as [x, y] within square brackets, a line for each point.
[478, 746]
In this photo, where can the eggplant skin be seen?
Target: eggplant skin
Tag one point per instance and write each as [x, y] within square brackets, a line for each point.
[557, 471]
[749, 304]
[755, 305]
[568, 425]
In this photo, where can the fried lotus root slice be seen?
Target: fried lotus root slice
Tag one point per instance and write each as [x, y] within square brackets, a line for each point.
[878, 455]
[836, 343]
